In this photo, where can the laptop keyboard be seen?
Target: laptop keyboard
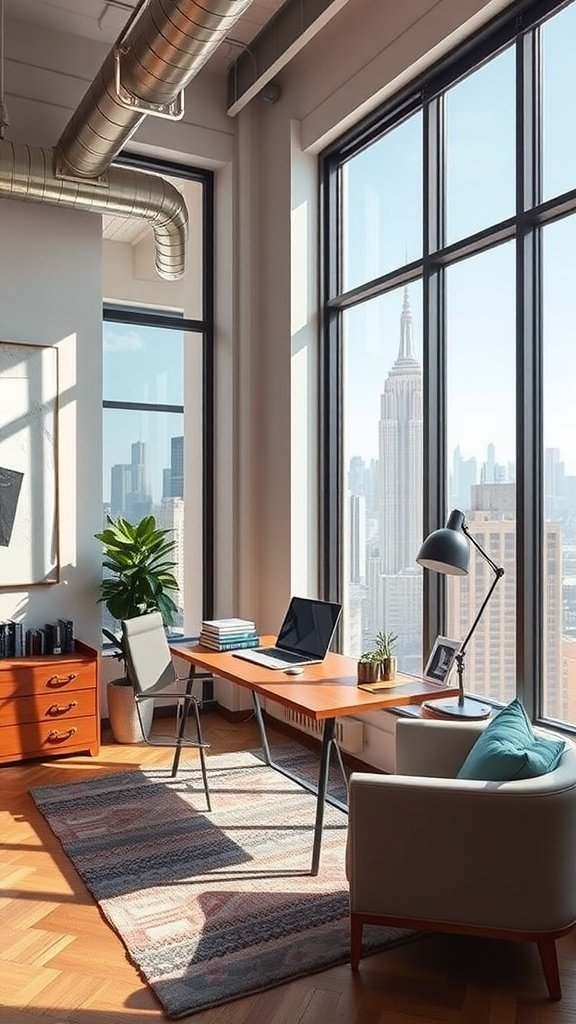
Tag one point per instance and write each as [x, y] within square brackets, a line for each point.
[273, 652]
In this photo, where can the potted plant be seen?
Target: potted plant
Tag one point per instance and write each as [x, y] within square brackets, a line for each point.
[384, 649]
[368, 667]
[136, 560]
[379, 662]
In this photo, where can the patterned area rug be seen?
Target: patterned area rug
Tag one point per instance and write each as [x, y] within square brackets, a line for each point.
[215, 906]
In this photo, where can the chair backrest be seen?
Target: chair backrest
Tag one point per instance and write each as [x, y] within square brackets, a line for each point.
[149, 662]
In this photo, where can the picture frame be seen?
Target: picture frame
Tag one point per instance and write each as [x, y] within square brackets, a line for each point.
[441, 661]
[29, 549]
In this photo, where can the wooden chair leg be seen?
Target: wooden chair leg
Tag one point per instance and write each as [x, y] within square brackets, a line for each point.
[356, 925]
[549, 959]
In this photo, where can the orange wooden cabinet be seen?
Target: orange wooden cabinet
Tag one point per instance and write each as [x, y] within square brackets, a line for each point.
[49, 705]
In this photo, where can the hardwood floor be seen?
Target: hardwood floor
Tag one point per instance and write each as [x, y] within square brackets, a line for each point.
[60, 961]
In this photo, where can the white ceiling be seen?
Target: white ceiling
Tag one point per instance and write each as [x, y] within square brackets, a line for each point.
[105, 19]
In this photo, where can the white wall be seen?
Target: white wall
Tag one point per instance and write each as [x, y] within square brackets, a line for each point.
[51, 294]
[51, 291]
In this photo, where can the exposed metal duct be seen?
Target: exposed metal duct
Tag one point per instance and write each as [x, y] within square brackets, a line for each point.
[165, 43]
[163, 46]
[27, 174]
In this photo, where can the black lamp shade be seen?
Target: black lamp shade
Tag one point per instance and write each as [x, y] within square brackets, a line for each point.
[447, 550]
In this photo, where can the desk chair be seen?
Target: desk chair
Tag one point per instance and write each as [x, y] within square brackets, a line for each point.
[150, 670]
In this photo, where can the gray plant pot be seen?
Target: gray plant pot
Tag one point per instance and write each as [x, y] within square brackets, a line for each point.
[123, 714]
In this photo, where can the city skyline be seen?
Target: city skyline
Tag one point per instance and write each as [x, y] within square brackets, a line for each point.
[383, 588]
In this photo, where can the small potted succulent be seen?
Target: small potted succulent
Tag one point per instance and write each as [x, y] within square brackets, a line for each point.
[368, 667]
[379, 663]
[384, 648]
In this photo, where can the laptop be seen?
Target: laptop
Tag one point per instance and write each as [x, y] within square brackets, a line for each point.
[304, 636]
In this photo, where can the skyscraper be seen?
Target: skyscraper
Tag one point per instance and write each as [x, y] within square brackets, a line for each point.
[177, 467]
[120, 486]
[385, 515]
[139, 500]
[400, 455]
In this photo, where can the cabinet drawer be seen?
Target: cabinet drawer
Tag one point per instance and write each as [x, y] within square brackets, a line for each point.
[47, 707]
[47, 678]
[46, 738]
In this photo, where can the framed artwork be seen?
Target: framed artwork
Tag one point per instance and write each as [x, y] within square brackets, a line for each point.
[441, 660]
[28, 465]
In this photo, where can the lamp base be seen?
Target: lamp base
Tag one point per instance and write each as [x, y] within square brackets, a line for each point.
[470, 709]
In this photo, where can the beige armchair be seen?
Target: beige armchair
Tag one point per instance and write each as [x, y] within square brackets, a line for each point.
[432, 852]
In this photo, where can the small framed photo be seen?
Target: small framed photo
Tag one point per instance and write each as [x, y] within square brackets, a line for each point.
[441, 660]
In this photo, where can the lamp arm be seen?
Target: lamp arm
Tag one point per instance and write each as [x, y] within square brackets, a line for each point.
[498, 574]
[485, 555]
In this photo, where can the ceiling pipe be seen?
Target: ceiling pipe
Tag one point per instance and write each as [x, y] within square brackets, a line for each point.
[26, 173]
[163, 46]
[4, 119]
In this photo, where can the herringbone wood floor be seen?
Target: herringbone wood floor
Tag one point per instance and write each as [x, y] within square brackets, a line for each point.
[60, 962]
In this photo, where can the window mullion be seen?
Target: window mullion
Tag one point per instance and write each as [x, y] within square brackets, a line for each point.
[331, 388]
[434, 337]
[529, 514]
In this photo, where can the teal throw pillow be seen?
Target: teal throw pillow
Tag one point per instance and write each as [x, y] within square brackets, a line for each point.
[508, 749]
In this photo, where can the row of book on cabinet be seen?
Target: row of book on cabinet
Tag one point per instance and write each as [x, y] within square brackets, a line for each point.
[228, 634]
[53, 638]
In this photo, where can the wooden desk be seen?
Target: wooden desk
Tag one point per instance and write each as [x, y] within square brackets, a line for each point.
[323, 692]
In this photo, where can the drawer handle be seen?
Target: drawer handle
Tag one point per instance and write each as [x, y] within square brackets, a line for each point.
[61, 709]
[55, 681]
[55, 735]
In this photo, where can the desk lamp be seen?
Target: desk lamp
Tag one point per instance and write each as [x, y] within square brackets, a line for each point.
[447, 551]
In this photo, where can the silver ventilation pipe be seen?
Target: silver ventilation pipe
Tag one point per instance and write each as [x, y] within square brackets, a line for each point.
[26, 173]
[163, 46]
[4, 119]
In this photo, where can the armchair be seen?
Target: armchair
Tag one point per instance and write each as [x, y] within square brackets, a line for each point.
[429, 851]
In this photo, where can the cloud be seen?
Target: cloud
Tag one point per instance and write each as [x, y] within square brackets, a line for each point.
[125, 341]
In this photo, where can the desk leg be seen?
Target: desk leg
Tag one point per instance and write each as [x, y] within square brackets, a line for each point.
[262, 729]
[321, 790]
[327, 740]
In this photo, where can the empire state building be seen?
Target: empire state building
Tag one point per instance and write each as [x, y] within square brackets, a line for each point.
[400, 456]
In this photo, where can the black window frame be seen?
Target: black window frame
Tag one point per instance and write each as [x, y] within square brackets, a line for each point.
[518, 26]
[204, 326]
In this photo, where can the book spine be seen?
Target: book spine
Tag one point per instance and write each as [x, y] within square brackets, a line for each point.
[246, 626]
[233, 646]
[53, 642]
[18, 640]
[67, 635]
[34, 641]
[10, 629]
[248, 634]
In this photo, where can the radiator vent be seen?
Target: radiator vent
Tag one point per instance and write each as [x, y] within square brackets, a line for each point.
[349, 732]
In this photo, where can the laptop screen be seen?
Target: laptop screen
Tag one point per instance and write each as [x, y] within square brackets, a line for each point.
[308, 626]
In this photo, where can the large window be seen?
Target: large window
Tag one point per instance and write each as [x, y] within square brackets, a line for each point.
[157, 405]
[449, 233]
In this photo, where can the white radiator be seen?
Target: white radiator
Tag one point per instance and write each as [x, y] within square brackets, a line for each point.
[349, 733]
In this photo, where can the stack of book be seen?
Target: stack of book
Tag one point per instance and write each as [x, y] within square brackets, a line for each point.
[54, 638]
[228, 634]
